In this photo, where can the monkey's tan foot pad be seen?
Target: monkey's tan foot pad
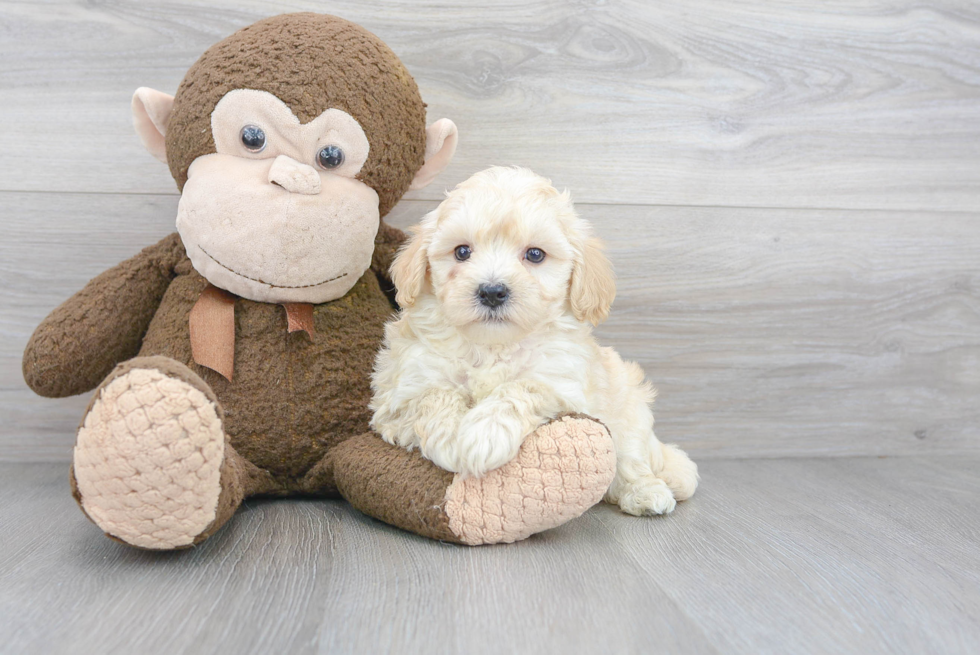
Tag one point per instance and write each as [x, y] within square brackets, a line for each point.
[148, 458]
[561, 470]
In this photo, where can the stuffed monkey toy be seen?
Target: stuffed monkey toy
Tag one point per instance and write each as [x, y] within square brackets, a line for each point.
[233, 358]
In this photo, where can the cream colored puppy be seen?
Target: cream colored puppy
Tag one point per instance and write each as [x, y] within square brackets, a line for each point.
[499, 288]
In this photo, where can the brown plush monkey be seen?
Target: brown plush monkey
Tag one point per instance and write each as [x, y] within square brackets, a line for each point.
[247, 339]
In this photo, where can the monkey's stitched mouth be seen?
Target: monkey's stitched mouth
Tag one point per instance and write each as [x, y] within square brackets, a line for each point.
[268, 284]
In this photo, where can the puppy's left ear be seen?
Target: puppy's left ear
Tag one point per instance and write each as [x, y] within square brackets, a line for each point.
[593, 286]
[412, 263]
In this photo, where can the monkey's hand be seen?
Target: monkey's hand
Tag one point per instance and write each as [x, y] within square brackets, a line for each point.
[83, 339]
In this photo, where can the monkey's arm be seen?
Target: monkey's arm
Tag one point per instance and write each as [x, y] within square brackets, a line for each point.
[80, 342]
[386, 246]
[563, 468]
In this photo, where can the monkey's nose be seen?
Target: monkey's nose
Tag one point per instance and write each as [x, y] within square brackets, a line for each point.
[294, 176]
[493, 295]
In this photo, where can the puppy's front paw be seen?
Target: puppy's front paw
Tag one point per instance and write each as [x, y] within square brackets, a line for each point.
[646, 496]
[486, 440]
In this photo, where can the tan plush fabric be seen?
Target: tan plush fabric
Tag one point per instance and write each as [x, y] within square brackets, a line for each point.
[151, 111]
[440, 146]
[127, 524]
[562, 469]
[310, 62]
[148, 459]
[278, 247]
[285, 135]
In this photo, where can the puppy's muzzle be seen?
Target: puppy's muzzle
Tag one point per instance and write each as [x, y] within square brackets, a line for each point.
[492, 295]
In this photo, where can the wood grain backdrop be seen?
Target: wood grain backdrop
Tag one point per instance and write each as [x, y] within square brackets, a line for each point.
[789, 190]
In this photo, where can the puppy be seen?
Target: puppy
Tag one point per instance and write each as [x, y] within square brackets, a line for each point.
[499, 288]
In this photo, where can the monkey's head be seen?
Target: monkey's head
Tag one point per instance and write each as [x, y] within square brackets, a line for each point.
[290, 140]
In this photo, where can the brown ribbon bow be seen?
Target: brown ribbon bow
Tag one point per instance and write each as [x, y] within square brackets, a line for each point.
[212, 325]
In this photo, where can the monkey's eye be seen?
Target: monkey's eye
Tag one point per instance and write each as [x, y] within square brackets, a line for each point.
[253, 138]
[463, 253]
[330, 157]
[534, 255]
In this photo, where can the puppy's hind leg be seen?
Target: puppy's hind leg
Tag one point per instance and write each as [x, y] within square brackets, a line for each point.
[637, 491]
[679, 472]
[637, 488]
[650, 476]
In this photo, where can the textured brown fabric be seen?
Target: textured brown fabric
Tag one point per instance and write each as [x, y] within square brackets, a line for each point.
[74, 489]
[292, 398]
[394, 485]
[79, 343]
[212, 330]
[239, 480]
[312, 62]
[386, 246]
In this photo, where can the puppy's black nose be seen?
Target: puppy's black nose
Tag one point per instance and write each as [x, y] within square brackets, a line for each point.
[493, 295]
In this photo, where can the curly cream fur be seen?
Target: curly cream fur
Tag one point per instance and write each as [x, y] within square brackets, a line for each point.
[465, 383]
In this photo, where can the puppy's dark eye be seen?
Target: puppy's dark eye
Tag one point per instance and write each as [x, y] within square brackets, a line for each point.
[330, 157]
[463, 253]
[534, 255]
[253, 138]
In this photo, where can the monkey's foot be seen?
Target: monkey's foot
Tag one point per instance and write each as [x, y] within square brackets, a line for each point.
[148, 459]
[562, 469]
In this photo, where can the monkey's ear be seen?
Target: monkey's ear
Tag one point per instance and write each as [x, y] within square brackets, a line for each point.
[151, 113]
[440, 145]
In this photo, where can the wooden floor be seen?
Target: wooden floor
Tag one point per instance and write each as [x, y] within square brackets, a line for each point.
[791, 196]
[844, 555]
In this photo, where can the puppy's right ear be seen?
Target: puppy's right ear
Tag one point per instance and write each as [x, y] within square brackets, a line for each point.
[411, 264]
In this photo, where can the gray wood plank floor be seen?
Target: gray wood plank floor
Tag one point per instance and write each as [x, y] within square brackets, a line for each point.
[847, 555]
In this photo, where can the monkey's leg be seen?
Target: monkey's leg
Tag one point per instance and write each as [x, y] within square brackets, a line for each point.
[152, 465]
[562, 469]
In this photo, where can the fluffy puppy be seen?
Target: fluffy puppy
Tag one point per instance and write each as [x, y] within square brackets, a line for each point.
[499, 288]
